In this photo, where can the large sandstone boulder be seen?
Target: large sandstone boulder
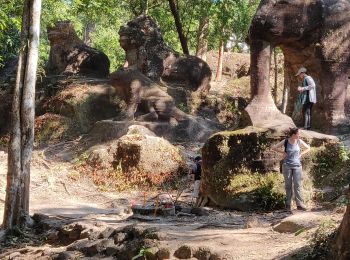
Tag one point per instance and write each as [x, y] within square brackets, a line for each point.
[313, 34]
[83, 101]
[69, 54]
[139, 156]
[241, 172]
[146, 50]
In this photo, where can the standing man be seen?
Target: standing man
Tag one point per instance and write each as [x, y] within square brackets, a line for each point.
[196, 173]
[308, 88]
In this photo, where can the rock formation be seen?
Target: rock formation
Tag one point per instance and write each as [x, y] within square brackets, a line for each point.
[146, 50]
[69, 55]
[238, 168]
[145, 99]
[314, 34]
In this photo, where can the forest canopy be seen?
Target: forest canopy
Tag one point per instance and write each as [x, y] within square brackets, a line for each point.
[97, 22]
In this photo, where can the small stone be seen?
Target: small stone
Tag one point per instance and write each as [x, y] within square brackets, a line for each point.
[183, 252]
[216, 256]
[112, 250]
[151, 253]
[148, 243]
[120, 237]
[163, 253]
[202, 253]
[106, 233]
[156, 235]
[65, 256]
[78, 245]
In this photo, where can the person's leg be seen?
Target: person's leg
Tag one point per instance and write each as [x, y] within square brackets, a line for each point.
[196, 187]
[287, 174]
[310, 113]
[304, 115]
[297, 172]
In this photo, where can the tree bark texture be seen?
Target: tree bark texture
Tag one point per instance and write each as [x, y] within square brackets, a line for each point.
[202, 38]
[342, 240]
[182, 37]
[218, 75]
[22, 128]
[88, 29]
[275, 86]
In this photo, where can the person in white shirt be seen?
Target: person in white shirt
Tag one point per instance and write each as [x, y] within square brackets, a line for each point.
[308, 88]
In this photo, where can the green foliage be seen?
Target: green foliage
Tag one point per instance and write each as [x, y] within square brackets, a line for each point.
[106, 17]
[331, 167]
[141, 253]
[266, 188]
[322, 240]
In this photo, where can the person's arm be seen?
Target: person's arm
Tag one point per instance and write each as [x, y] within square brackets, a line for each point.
[310, 84]
[277, 147]
[306, 146]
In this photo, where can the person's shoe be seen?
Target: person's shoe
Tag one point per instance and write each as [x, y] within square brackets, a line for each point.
[303, 208]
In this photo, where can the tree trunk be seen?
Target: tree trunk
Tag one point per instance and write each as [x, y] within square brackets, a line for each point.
[22, 128]
[145, 7]
[285, 89]
[202, 38]
[182, 37]
[218, 75]
[342, 239]
[276, 76]
[88, 29]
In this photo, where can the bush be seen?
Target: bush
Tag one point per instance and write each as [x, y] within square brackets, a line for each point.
[331, 167]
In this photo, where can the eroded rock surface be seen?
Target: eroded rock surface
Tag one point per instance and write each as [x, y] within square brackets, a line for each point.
[146, 50]
[313, 34]
[239, 167]
[69, 55]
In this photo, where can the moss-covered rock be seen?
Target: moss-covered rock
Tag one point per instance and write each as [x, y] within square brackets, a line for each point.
[240, 171]
[85, 102]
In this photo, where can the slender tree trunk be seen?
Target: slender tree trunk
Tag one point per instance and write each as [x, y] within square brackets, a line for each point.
[88, 29]
[220, 61]
[341, 246]
[202, 38]
[286, 84]
[145, 7]
[275, 87]
[182, 37]
[22, 128]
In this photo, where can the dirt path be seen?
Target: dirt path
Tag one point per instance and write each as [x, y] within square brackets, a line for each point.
[237, 235]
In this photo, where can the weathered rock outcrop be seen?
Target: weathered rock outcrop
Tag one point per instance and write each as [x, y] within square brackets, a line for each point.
[69, 55]
[79, 103]
[139, 155]
[145, 99]
[146, 50]
[314, 34]
[238, 168]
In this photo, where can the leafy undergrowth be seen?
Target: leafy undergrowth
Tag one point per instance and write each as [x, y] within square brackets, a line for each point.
[266, 188]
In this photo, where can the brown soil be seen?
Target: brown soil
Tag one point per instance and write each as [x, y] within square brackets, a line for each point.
[56, 191]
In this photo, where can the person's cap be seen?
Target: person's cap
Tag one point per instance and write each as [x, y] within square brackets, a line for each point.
[301, 70]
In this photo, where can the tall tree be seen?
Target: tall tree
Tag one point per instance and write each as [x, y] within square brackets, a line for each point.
[341, 247]
[22, 128]
[175, 12]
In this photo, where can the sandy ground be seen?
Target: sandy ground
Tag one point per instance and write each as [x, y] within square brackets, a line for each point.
[237, 235]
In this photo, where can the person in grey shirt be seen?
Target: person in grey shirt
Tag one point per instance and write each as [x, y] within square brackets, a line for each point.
[291, 168]
[308, 88]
